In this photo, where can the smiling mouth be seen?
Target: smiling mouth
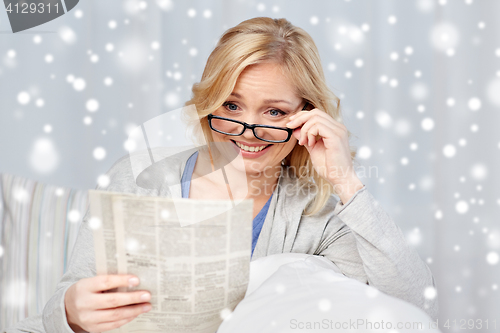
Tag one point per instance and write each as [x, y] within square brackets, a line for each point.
[252, 149]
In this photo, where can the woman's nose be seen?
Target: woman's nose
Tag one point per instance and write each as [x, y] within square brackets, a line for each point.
[248, 134]
[249, 119]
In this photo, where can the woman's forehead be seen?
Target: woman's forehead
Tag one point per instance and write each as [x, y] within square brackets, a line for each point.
[265, 81]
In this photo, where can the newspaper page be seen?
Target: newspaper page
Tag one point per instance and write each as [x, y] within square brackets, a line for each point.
[196, 268]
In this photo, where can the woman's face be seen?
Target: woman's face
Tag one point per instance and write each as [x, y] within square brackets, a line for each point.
[262, 95]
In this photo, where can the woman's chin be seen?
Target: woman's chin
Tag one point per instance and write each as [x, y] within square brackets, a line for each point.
[250, 168]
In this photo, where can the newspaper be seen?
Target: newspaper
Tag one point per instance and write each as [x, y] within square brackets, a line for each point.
[196, 268]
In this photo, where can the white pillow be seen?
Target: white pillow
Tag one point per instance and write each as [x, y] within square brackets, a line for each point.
[297, 292]
[261, 269]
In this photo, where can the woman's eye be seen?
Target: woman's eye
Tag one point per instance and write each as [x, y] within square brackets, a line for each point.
[276, 112]
[231, 106]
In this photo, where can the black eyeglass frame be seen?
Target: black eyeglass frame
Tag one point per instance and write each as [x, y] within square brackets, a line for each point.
[252, 127]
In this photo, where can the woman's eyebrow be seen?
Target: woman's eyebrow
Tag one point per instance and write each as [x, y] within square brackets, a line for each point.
[276, 101]
[266, 100]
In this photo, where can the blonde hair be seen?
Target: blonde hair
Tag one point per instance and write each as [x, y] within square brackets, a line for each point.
[264, 39]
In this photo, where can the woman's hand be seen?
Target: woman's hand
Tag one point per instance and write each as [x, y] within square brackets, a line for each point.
[89, 309]
[327, 142]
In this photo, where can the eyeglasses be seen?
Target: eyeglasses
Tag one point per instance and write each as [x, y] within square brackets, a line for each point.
[266, 133]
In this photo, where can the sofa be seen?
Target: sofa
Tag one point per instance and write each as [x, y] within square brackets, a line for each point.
[38, 228]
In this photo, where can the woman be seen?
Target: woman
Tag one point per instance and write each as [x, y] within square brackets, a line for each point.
[267, 72]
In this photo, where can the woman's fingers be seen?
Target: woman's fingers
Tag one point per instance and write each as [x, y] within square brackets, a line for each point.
[326, 130]
[116, 299]
[305, 116]
[87, 305]
[109, 325]
[107, 282]
[120, 313]
[319, 130]
[305, 120]
[112, 325]
[312, 132]
[311, 139]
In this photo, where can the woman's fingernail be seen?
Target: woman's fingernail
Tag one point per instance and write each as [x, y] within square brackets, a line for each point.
[146, 308]
[133, 282]
[145, 297]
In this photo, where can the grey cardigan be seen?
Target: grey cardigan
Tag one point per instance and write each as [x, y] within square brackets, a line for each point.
[358, 236]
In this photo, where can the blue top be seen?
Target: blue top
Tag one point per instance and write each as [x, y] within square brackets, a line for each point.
[258, 221]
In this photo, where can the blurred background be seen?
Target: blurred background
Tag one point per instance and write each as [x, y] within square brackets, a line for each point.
[419, 83]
